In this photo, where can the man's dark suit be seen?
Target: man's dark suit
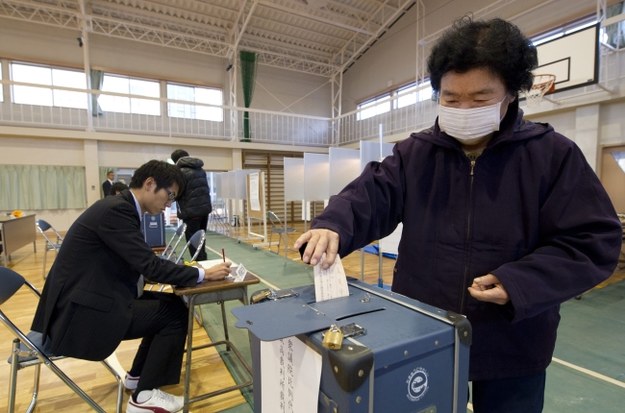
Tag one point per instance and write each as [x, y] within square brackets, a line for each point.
[86, 307]
[106, 188]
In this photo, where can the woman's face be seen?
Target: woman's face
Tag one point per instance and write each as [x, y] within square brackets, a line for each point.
[473, 88]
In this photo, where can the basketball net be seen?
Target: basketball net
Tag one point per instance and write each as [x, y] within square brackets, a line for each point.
[542, 84]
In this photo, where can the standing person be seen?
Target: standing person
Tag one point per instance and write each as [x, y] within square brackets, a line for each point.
[503, 219]
[194, 204]
[106, 185]
[92, 298]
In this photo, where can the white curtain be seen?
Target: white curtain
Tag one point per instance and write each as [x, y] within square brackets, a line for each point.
[35, 187]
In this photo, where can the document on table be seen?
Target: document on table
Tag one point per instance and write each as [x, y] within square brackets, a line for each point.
[237, 271]
[330, 283]
[291, 376]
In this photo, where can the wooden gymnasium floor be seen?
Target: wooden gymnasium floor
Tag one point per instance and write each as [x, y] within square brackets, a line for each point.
[96, 381]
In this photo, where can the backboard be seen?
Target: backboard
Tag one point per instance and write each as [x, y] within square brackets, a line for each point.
[572, 58]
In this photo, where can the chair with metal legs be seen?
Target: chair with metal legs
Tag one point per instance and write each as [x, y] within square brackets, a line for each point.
[277, 227]
[196, 241]
[28, 350]
[170, 249]
[52, 238]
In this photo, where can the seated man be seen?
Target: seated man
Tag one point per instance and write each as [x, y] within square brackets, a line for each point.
[93, 296]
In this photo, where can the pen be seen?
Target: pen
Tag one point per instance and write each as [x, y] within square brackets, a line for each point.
[223, 254]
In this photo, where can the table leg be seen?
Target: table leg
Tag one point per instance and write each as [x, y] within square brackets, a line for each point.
[187, 372]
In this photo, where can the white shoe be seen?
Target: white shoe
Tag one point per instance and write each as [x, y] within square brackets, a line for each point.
[155, 401]
[130, 382]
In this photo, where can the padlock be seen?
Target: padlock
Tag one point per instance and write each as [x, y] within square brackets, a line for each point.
[333, 338]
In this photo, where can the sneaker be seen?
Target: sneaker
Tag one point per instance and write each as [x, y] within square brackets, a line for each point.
[130, 382]
[155, 401]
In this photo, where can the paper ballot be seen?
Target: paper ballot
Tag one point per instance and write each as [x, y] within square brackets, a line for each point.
[330, 283]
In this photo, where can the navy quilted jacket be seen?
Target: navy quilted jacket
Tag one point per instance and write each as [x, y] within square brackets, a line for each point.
[195, 201]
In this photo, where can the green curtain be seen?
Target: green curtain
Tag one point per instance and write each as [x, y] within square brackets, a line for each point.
[37, 187]
[248, 79]
[97, 79]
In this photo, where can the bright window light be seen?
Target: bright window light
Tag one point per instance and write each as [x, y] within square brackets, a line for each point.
[127, 104]
[194, 95]
[619, 157]
[373, 107]
[411, 94]
[51, 77]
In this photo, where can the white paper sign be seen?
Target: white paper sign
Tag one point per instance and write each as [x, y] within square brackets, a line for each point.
[291, 376]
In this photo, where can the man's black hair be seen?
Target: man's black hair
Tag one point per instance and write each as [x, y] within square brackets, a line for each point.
[117, 187]
[177, 154]
[494, 44]
[164, 174]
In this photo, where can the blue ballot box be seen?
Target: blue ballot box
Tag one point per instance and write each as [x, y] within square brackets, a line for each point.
[153, 229]
[408, 356]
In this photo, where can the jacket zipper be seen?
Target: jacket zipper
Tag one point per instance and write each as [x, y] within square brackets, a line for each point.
[472, 160]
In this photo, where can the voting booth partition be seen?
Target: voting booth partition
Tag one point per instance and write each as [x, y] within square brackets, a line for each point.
[406, 356]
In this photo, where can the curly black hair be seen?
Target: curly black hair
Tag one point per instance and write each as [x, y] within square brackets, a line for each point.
[493, 44]
[164, 174]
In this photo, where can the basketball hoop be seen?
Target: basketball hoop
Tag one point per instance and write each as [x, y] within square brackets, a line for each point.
[542, 84]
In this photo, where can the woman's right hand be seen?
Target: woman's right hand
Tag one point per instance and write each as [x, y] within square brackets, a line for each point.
[319, 241]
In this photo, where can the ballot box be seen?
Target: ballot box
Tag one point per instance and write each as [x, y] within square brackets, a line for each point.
[404, 356]
[153, 229]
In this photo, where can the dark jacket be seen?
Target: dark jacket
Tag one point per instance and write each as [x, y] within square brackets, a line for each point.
[106, 188]
[87, 299]
[529, 210]
[195, 201]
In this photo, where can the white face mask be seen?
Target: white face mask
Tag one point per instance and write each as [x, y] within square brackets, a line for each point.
[469, 126]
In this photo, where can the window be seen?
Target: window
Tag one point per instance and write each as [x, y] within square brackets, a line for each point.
[197, 97]
[564, 30]
[411, 94]
[127, 104]
[51, 78]
[619, 157]
[373, 107]
[407, 95]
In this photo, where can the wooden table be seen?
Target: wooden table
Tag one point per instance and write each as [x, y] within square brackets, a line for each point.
[213, 292]
[16, 233]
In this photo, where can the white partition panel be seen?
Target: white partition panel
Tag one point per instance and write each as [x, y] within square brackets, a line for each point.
[293, 178]
[240, 184]
[225, 185]
[344, 168]
[316, 177]
[374, 151]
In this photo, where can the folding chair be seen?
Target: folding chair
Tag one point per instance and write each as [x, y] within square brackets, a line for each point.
[197, 241]
[52, 237]
[28, 350]
[170, 248]
[278, 228]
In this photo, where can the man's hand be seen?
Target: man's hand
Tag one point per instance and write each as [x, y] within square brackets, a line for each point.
[319, 241]
[487, 288]
[217, 272]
